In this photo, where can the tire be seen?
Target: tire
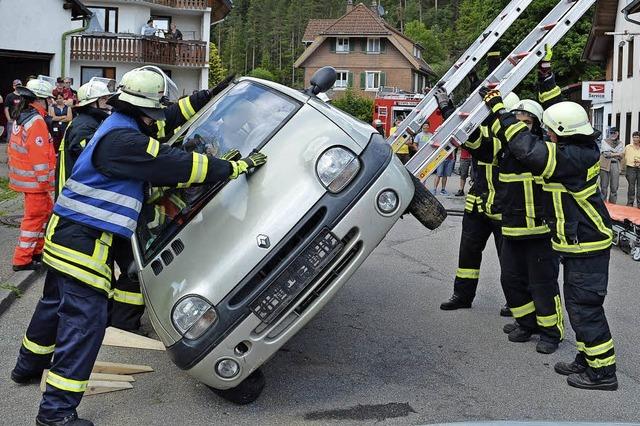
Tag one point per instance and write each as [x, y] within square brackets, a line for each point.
[425, 207]
[246, 392]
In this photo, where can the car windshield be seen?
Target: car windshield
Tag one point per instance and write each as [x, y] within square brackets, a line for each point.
[244, 118]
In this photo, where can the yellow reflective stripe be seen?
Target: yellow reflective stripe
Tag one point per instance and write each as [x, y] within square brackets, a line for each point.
[186, 108]
[599, 363]
[83, 143]
[161, 128]
[560, 314]
[65, 384]
[594, 171]
[600, 349]
[497, 146]
[36, 348]
[199, 170]
[547, 321]
[475, 144]
[101, 247]
[582, 247]
[515, 177]
[523, 310]
[521, 232]
[546, 96]
[128, 297]
[585, 193]
[560, 219]
[51, 226]
[153, 148]
[495, 127]
[529, 206]
[472, 274]
[62, 171]
[492, 190]
[594, 216]
[513, 129]
[79, 274]
[551, 160]
[95, 263]
[494, 216]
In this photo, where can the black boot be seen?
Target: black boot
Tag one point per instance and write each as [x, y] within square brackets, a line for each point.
[25, 378]
[583, 381]
[508, 328]
[505, 311]
[568, 368]
[71, 420]
[545, 347]
[456, 302]
[32, 266]
[520, 335]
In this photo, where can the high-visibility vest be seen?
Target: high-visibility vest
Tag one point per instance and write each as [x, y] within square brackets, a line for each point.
[101, 202]
[32, 159]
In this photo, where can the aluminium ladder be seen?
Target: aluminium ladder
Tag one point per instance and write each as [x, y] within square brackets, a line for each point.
[506, 77]
[412, 124]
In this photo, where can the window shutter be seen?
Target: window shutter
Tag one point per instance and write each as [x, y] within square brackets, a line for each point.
[363, 80]
[383, 45]
[352, 45]
[350, 79]
[332, 44]
[383, 79]
[363, 44]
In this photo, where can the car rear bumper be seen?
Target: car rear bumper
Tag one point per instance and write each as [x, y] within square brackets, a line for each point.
[361, 229]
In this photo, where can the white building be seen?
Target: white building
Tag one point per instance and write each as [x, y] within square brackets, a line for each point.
[615, 42]
[110, 44]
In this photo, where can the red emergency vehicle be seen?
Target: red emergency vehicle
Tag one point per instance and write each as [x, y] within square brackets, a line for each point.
[390, 105]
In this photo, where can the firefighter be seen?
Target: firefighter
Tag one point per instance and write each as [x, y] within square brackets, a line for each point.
[31, 170]
[582, 233]
[379, 126]
[482, 216]
[102, 199]
[403, 153]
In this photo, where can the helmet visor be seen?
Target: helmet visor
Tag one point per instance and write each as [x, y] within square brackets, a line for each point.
[110, 83]
[170, 94]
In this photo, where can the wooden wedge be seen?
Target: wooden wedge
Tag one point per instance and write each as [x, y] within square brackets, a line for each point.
[119, 368]
[95, 377]
[121, 338]
[95, 387]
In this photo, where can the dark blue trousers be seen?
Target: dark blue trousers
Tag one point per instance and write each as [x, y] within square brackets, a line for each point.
[72, 316]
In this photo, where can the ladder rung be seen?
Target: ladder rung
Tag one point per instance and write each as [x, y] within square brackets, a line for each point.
[514, 59]
[463, 114]
[549, 26]
[492, 85]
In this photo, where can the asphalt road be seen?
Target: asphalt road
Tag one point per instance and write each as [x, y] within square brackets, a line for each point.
[381, 351]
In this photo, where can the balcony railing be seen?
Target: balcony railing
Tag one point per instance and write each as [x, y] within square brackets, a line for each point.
[138, 49]
[182, 4]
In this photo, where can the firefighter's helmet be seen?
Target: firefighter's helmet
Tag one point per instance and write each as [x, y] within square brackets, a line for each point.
[149, 89]
[510, 101]
[529, 107]
[568, 119]
[95, 89]
[36, 88]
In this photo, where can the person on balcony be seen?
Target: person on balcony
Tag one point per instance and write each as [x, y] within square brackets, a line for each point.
[173, 33]
[148, 29]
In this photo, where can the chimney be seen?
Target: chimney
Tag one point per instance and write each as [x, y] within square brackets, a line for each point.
[349, 5]
[374, 7]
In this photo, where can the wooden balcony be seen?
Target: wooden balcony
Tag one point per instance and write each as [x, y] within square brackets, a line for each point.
[182, 4]
[138, 50]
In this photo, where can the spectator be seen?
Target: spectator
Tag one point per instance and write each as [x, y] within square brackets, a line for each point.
[632, 161]
[465, 168]
[421, 138]
[11, 102]
[62, 89]
[148, 29]
[444, 170]
[60, 116]
[611, 153]
[173, 33]
[68, 82]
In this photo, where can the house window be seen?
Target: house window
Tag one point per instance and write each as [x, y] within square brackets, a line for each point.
[628, 131]
[382, 111]
[342, 80]
[598, 119]
[107, 17]
[87, 73]
[620, 53]
[342, 45]
[372, 80]
[630, 62]
[162, 23]
[417, 52]
[373, 45]
[618, 123]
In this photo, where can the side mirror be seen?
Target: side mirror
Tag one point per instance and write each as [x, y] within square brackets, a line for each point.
[322, 80]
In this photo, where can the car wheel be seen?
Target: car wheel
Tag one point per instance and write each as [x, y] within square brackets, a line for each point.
[425, 207]
[246, 392]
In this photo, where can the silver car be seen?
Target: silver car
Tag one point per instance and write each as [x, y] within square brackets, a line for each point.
[231, 272]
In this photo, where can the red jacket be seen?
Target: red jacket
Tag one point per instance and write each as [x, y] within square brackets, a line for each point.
[32, 160]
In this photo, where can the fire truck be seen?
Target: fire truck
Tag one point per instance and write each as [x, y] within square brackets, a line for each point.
[391, 104]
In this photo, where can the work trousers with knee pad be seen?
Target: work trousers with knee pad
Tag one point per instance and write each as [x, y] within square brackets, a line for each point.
[585, 287]
[476, 231]
[530, 280]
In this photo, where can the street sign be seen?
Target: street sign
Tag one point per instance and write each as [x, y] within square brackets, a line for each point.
[597, 91]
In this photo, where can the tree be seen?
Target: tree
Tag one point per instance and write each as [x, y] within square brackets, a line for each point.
[217, 71]
[262, 73]
[357, 105]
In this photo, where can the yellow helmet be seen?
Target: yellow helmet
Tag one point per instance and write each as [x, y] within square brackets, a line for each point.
[530, 107]
[93, 90]
[149, 89]
[568, 119]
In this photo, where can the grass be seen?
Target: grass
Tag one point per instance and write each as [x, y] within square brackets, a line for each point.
[11, 288]
[5, 192]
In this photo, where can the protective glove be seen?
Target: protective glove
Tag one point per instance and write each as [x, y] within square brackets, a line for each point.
[242, 166]
[544, 67]
[221, 86]
[442, 97]
[231, 155]
[493, 99]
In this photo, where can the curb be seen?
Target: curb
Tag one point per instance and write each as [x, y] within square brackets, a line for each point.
[21, 280]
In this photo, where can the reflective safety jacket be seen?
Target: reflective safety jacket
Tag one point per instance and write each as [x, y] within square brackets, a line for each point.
[31, 154]
[484, 194]
[579, 220]
[79, 132]
[79, 245]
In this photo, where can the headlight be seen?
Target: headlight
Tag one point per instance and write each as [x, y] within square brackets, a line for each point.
[336, 168]
[387, 201]
[227, 368]
[192, 316]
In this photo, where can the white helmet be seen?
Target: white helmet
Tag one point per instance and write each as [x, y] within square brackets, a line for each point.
[529, 107]
[96, 88]
[377, 123]
[510, 100]
[568, 119]
[36, 88]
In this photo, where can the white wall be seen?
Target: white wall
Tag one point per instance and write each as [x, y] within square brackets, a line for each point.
[626, 93]
[22, 30]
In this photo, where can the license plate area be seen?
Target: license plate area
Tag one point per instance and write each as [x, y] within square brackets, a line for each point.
[298, 275]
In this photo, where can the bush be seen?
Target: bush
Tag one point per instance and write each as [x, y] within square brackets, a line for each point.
[262, 73]
[357, 105]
